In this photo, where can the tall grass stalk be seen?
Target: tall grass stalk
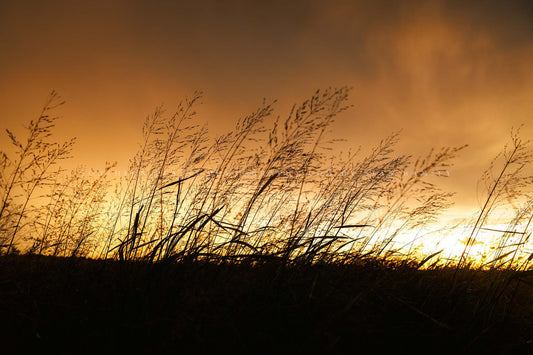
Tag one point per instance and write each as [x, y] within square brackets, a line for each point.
[30, 168]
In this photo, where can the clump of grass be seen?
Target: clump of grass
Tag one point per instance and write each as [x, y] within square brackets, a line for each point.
[30, 166]
[267, 190]
[263, 191]
[507, 184]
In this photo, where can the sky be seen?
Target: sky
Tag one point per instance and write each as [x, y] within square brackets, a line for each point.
[445, 73]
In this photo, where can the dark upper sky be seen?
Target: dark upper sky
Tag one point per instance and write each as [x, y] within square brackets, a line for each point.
[445, 72]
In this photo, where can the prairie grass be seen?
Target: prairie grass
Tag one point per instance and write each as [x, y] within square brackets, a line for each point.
[265, 236]
[75, 305]
[273, 188]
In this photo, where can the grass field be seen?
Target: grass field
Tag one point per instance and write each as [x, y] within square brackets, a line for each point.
[259, 240]
[72, 305]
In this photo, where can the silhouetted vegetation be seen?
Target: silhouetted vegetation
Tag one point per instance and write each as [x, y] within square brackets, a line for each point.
[267, 189]
[256, 240]
[72, 305]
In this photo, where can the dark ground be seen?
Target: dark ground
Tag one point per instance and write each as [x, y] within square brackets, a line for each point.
[69, 306]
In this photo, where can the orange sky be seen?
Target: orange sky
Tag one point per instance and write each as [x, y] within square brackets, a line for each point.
[446, 73]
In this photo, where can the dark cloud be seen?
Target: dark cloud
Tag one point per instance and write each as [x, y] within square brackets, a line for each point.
[446, 72]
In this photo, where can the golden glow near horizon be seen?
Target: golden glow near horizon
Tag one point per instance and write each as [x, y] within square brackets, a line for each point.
[446, 73]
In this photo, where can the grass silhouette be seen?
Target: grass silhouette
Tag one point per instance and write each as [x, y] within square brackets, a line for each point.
[265, 189]
[259, 239]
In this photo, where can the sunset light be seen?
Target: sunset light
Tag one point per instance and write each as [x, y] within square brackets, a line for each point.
[250, 176]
